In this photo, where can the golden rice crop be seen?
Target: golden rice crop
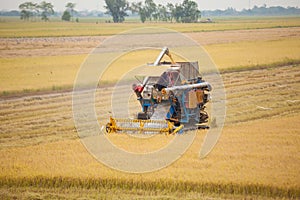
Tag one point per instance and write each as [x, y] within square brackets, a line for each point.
[54, 72]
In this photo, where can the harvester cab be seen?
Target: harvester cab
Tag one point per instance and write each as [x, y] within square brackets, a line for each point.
[176, 98]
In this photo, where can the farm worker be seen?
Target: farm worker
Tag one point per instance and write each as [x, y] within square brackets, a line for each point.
[174, 114]
[138, 89]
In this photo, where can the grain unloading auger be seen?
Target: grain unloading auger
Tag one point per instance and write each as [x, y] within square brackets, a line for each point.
[172, 102]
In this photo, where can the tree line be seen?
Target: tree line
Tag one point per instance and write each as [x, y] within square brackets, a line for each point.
[147, 10]
[31, 10]
[185, 12]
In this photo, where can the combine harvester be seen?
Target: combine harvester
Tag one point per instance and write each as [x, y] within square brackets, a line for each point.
[170, 103]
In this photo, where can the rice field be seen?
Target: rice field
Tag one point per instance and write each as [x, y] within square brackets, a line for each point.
[14, 28]
[41, 72]
[256, 157]
[260, 133]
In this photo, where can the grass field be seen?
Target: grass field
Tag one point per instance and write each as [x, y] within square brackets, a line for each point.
[257, 156]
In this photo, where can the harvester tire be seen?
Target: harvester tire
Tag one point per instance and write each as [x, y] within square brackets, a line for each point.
[143, 116]
[107, 128]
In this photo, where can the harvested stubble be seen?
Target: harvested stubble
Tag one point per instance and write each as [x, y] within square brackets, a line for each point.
[252, 143]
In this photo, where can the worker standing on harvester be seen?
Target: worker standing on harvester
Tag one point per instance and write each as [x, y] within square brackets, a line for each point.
[174, 114]
[138, 89]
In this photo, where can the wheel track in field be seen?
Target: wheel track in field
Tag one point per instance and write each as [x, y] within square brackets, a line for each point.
[251, 95]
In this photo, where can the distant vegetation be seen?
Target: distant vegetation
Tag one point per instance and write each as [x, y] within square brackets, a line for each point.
[255, 11]
[117, 9]
[32, 10]
[69, 12]
[187, 11]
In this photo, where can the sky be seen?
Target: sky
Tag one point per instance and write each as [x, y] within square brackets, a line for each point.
[59, 5]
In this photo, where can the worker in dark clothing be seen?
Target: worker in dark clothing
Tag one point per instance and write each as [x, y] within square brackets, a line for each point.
[174, 114]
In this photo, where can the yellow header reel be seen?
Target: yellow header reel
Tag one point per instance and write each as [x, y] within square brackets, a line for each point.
[141, 126]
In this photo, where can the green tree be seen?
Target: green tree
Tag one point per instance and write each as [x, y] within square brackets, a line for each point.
[70, 7]
[117, 9]
[28, 9]
[46, 10]
[138, 8]
[143, 15]
[66, 16]
[170, 11]
[186, 12]
[24, 14]
[178, 12]
[150, 9]
[190, 11]
[162, 13]
[146, 10]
